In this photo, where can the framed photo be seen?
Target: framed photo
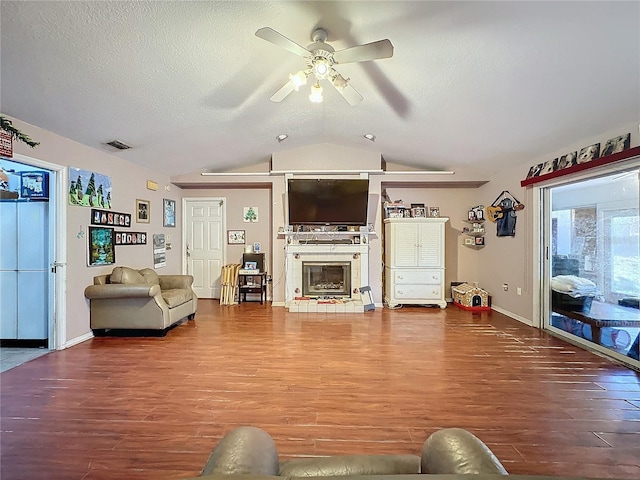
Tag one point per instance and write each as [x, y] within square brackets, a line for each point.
[235, 237]
[588, 153]
[616, 144]
[106, 217]
[251, 265]
[434, 212]
[130, 238]
[418, 212]
[479, 240]
[169, 212]
[101, 243]
[143, 211]
[257, 247]
[469, 241]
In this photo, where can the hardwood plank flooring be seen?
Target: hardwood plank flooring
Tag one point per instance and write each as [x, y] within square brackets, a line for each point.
[320, 384]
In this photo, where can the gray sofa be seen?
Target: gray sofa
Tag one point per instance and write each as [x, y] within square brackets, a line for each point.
[252, 451]
[140, 300]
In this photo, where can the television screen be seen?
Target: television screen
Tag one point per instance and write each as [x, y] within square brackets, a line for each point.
[328, 202]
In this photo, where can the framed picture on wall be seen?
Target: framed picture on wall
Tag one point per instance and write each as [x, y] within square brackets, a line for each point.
[101, 246]
[169, 213]
[143, 211]
[235, 237]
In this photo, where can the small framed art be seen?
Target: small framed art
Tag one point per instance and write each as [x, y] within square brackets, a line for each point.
[169, 212]
[235, 237]
[143, 211]
[434, 212]
[101, 243]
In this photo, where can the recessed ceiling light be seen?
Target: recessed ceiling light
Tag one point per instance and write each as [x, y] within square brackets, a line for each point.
[370, 136]
[282, 137]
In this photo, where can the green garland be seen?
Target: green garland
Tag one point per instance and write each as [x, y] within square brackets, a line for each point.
[16, 134]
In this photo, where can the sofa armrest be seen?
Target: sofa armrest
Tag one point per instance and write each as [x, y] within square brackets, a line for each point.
[170, 282]
[121, 291]
[244, 451]
[454, 451]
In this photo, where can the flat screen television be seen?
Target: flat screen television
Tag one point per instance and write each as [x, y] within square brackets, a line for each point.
[328, 201]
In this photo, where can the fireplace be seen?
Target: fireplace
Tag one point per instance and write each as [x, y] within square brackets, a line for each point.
[326, 279]
[345, 265]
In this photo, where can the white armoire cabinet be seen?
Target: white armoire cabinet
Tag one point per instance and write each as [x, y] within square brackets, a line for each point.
[414, 261]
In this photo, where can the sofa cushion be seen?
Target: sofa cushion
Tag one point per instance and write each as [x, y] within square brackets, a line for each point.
[176, 296]
[150, 276]
[347, 465]
[126, 275]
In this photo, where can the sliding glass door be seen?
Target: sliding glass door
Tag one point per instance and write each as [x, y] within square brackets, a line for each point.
[592, 262]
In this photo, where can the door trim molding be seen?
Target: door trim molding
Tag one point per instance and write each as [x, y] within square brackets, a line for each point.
[58, 313]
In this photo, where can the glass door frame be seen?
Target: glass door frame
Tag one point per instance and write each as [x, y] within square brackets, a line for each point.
[542, 256]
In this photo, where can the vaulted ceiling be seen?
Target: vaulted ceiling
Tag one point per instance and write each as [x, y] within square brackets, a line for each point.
[187, 84]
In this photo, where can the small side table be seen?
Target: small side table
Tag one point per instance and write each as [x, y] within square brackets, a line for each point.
[252, 283]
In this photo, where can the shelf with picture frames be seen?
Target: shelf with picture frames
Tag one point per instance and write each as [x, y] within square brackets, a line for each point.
[474, 230]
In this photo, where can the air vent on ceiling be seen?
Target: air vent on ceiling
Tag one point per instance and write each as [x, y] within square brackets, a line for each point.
[118, 144]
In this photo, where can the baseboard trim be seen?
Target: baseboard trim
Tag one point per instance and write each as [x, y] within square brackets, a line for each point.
[77, 340]
[519, 318]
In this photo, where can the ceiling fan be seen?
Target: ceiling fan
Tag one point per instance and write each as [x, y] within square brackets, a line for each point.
[321, 58]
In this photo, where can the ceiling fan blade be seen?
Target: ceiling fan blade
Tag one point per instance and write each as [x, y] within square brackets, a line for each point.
[280, 95]
[270, 35]
[364, 53]
[347, 91]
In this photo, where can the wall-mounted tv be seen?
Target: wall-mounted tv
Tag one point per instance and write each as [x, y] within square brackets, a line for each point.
[328, 201]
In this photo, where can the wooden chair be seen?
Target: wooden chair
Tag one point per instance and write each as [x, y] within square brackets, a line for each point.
[229, 284]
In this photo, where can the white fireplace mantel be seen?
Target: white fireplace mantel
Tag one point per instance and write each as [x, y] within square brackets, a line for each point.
[298, 252]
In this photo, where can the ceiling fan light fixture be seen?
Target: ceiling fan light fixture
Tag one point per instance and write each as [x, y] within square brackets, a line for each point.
[320, 67]
[298, 80]
[316, 93]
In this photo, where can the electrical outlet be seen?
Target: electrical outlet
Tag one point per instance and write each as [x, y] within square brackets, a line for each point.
[519, 291]
[505, 287]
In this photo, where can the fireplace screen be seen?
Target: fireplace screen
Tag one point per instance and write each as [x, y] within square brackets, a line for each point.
[326, 279]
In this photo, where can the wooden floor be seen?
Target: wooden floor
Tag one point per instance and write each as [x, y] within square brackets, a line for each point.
[376, 382]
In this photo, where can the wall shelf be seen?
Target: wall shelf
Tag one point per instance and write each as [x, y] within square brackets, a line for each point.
[474, 233]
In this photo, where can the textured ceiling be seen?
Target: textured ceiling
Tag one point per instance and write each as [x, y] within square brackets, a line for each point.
[187, 84]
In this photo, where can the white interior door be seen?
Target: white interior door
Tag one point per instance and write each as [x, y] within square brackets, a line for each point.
[204, 243]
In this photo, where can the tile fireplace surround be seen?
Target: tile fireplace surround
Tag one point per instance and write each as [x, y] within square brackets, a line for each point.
[298, 252]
